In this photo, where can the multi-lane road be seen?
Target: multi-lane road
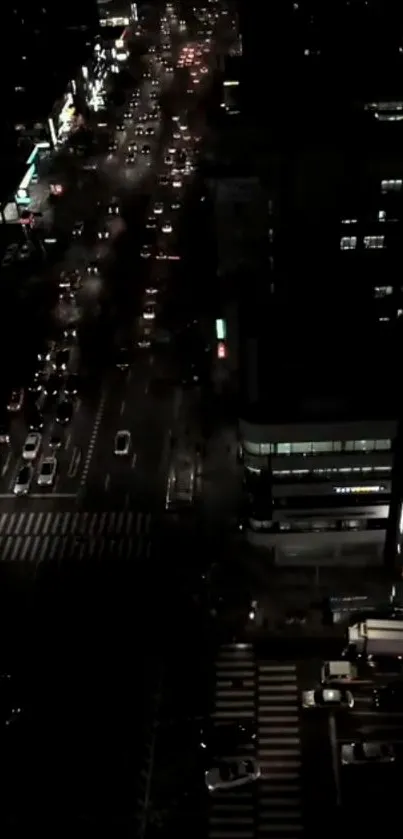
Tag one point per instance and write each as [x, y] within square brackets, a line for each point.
[144, 398]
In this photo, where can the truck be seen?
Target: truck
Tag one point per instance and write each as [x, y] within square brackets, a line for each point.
[374, 638]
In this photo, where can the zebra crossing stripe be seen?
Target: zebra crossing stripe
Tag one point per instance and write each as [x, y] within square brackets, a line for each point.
[41, 537]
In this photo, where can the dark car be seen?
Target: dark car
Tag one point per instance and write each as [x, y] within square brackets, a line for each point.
[388, 697]
[145, 150]
[64, 412]
[226, 739]
[71, 385]
[62, 359]
[52, 385]
[123, 358]
[35, 420]
[55, 441]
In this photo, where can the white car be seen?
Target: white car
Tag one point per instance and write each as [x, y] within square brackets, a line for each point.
[232, 774]
[47, 472]
[158, 209]
[31, 446]
[366, 753]
[328, 697]
[177, 183]
[23, 480]
[151, 291]
[145, 252]
[122, 442]
[166, 227]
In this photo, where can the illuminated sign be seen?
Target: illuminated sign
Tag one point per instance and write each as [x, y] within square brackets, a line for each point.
[35, 151]
[114, 21]
[134, 12]
[358, 490]
[22, 189]
[220, 329]
[52, 131]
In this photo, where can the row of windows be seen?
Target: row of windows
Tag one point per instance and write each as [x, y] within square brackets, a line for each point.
[318, 447]
[317, 526]
[349, 243]
[318, 475]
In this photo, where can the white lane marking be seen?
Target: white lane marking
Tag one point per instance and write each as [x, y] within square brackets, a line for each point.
[72, 471]
[6, 464]
[151, 360]
[122, 407]
[147, 388]
[134, 460]
[93, 439]
[68, 440]
[107, 482]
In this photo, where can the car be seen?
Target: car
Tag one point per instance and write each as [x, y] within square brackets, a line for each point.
[113, 207]
[388, 698]
[149, 132]
[224, 739]
[128, 114]
[145, 251]
[62, 359]
[365, 753]
[64, 412]
[35, 420]
[120, 127]
[231, 774]
[55, 441]
[31, 446]
[168, 160]
[52, 385]
[143, 118]
[151, 223]
[47, 472]
[151, 290]
[77, 230]
[23, 481]
[66, 295]
[4, 432]
[16, 401]
[112, 147]
[177, 182]
[163, 180]
[69, 332]
[146, 150]
[132, 148]
[328, 697]
[103, 234]
[71, 385]
[130, 159]
[158, 208]
[149, 312]
[93, 268]
[122, 442]
[166, 227]
[175, 206]
[123, 358]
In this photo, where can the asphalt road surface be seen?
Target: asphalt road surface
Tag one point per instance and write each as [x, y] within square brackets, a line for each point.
[144, 398]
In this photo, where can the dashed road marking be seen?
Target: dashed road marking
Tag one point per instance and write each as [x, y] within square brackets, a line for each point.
[93, 440]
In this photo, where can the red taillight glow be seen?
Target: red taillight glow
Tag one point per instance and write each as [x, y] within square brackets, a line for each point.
[221, 350]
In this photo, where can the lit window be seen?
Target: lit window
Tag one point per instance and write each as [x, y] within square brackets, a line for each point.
[301, 448]
[321, 447]
[349, 221]
[383, 290]
[348, 243]
[383, 320]
[283, 448]
[358, 490]
[391, 185]
[381, 215]
[374, 242]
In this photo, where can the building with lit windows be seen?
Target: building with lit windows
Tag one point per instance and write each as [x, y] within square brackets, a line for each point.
[50, 47]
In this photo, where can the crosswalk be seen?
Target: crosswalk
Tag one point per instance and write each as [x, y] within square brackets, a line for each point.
[39, 537]
[267, 692]
[232, 812]
[279, 752]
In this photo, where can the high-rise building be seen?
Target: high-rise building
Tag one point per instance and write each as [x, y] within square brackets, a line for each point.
[320, 342]
[50, 44]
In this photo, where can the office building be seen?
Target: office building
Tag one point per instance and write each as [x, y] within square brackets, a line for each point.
[50, 45]
[321, 334]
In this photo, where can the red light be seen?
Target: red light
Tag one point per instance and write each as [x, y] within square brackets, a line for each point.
[221, 350]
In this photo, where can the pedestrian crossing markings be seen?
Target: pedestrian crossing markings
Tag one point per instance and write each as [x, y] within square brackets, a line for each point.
[245, 689]
[37, 537]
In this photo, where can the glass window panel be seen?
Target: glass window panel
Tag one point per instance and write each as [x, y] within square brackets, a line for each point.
[364, 445]
[383, 445]
[301, 448]
[283, 448]
[320, 447]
